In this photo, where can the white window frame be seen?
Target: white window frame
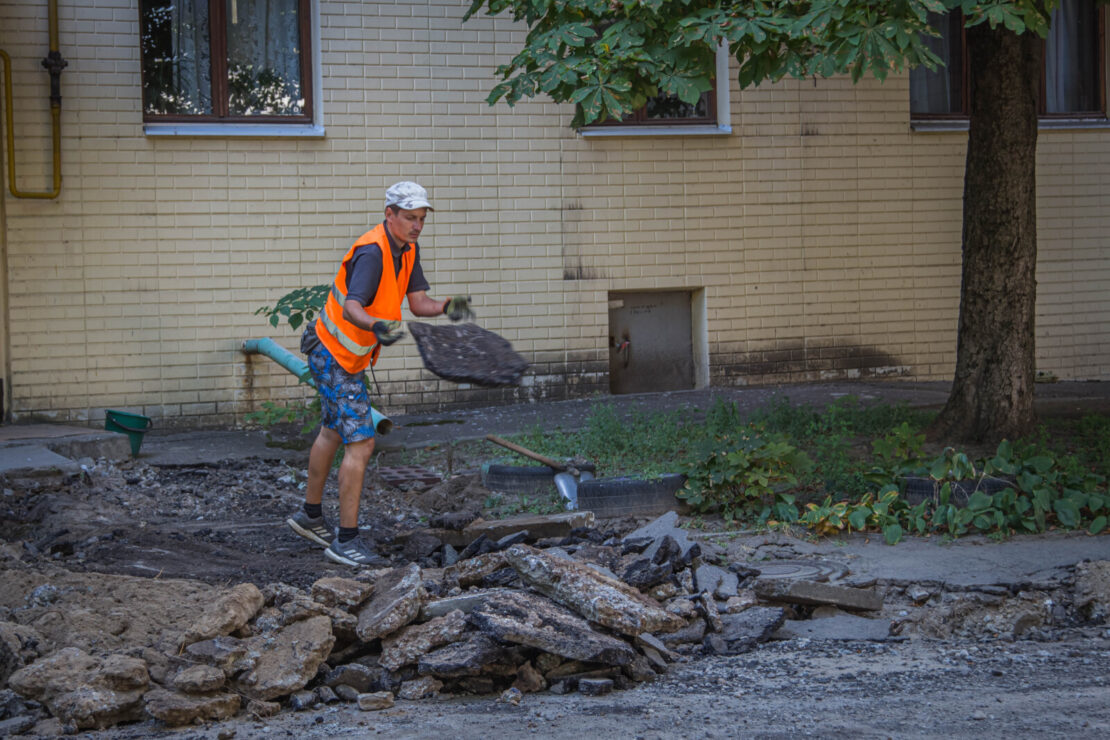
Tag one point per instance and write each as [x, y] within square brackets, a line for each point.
[313, 130]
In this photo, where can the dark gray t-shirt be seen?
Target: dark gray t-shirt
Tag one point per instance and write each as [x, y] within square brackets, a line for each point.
[364, 274]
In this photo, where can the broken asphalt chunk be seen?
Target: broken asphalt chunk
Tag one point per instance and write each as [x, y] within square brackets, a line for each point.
[398, 597]
[598, 598]
[813, 593]
[538, 526]
[527, 619]
[468, 657]
[407, 644]
[741, 632]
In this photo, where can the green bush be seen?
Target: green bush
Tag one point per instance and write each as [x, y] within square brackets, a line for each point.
[739, 474]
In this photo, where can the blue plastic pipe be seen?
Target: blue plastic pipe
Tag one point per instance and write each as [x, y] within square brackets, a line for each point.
[269, 348]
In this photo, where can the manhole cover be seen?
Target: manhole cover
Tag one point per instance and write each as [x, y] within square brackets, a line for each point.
[408, 474]
[800, 570]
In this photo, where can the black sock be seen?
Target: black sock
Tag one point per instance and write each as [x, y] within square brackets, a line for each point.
[314, 510]
[347, 533]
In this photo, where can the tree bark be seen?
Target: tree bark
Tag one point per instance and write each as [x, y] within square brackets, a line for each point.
[992, 391]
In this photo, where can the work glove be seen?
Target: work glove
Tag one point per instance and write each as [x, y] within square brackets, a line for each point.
[387, 332]
[458, 308]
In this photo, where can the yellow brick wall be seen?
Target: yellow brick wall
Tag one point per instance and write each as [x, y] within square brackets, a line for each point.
[824, 232]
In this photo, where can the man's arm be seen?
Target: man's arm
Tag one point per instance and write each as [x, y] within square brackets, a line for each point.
[354, 312]
[422, 305]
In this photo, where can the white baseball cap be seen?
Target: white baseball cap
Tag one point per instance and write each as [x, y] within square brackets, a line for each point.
[407, 196]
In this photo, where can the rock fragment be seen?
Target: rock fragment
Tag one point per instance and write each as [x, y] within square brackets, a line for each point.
[226, 614]
[85, 691]
[341, 593]
[424, 687]
[229, 654]
[1092, 590]
[474, 570]
[746, 599]
[177, 709]
[529, 680]
[287, 660]
[595, 686]
[20, 646]
[398, 597]
[262, 709]
[407, 644]
[362, 679]
[199, 679]
[375, 701]
[712, 614]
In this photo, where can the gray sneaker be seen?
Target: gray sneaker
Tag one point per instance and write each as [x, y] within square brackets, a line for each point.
[317, 529]
[354, 552]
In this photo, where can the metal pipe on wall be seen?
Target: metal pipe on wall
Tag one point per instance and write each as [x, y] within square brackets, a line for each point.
[54, 64]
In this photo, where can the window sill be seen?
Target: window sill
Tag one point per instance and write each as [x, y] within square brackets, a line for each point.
[1045, 124]
[708, 130]
[236, 130]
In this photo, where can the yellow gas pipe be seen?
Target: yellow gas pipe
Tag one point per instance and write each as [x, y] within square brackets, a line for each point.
[54, 64]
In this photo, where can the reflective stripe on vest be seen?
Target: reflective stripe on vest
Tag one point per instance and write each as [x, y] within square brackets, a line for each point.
[351, 345]
[340, 336]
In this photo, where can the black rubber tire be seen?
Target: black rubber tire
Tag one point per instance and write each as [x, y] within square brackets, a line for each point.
[920, 489]
[610, 497]
[515, 479]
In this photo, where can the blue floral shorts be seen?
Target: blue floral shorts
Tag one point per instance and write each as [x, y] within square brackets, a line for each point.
[344, 400]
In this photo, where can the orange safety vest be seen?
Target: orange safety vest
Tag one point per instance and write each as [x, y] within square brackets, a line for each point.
[352, 347]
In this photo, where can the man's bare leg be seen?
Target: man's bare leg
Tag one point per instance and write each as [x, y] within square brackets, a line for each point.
[320, 459]
[352, 474]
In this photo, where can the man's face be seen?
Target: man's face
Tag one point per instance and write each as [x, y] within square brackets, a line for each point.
[405, 225]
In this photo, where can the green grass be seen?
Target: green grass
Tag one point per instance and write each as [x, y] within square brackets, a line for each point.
[649, 445]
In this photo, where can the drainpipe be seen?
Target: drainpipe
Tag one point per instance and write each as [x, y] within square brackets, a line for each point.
[269, 348]
[54, 64]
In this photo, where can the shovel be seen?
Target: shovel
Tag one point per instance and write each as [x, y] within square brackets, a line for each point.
[567, 476]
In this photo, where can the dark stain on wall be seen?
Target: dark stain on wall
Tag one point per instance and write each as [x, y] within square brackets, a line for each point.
[801, 362]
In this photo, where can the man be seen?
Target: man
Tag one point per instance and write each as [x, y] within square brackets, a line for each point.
[362, 314]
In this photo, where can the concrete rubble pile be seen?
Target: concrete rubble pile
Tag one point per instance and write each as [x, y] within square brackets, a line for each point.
[582, 610]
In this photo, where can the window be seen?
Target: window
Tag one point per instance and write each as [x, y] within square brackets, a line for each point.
[1072, 81]
[226, 61]
[669, 109]
[667, 115]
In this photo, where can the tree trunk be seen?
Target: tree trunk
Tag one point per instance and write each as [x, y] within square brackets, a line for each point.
[992, 392]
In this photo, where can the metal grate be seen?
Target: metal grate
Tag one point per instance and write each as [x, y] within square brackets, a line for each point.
[407, 474]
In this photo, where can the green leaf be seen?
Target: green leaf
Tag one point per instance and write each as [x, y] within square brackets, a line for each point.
[1067, 513]
[892, 533]
[858, 518]
[1097, 525]
[1040, 464]
[978, 501]
[939, 469]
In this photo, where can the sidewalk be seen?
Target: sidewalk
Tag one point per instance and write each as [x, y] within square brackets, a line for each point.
[47, 447]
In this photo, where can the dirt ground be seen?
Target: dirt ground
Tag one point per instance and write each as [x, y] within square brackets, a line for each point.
[124, 556]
